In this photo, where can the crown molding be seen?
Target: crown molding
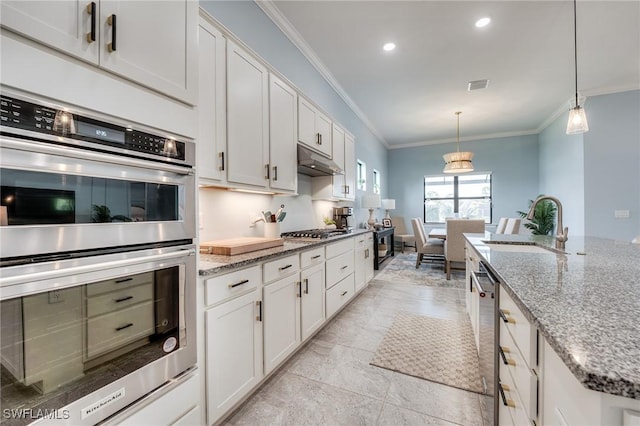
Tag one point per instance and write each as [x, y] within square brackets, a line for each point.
[301, 44]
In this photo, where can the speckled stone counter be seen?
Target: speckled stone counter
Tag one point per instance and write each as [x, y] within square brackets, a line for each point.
[211, 264]
[587, 305]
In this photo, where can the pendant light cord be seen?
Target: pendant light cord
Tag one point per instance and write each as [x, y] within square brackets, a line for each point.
[458, 130]
[575, 47]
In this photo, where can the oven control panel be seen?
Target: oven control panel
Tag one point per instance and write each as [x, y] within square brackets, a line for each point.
[25, 115]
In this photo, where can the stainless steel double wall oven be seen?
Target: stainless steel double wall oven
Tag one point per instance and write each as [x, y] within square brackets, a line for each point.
[98, 265]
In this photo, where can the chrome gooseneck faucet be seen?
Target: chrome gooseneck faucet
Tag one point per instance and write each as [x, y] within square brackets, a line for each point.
[562, 235]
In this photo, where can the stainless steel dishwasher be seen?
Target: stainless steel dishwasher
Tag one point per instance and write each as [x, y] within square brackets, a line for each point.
[485, 284]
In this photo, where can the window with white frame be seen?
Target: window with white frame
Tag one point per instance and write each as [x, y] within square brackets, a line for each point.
[467, 195]
[361, 173]
[376, 181]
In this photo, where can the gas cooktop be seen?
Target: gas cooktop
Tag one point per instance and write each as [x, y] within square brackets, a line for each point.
[315, 233]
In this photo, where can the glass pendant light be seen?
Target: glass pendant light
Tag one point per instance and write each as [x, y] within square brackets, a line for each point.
[577, 117]
[458, 162]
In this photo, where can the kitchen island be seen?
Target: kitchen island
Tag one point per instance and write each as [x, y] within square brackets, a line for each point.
[584, 302]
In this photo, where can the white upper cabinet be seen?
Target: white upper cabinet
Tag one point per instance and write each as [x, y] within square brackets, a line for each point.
[339, 188]
[349, 167]
[247, 118]
[151, 43]
[314, 128]
[212, 112]
[282, 131]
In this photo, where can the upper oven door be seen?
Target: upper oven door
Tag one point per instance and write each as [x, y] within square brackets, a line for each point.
[59, 199]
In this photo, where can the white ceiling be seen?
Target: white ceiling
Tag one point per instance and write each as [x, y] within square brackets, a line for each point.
[409, 96]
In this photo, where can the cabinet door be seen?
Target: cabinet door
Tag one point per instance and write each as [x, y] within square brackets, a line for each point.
[247, 118]
[155, 45]
[360, 273]
[349, 167]
[369, 259]
[307, 124]
[212, 96]
[324, 128]
[62, 25]
[233, 352]
[338, 157]
[283, 116]
[313, 295]
[281, 320]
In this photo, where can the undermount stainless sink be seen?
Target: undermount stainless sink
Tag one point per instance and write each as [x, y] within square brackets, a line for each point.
[519, 247]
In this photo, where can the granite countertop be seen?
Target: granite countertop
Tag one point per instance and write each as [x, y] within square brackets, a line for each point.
[211, 264]
[585, 302]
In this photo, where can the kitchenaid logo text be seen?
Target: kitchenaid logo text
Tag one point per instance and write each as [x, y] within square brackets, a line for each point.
[35, 414]
[94, 408]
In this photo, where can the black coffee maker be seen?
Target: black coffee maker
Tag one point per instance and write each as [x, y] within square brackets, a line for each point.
[343, 217]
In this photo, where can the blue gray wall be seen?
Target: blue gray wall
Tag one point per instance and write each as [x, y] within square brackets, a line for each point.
[513, 162]
[562, 171]
[612, 165]
[251, 25]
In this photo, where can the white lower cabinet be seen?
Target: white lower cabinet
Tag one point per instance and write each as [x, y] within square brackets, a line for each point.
[340, 294]
[363, 261]
[281, 320]
[312, 309]
[233, 352]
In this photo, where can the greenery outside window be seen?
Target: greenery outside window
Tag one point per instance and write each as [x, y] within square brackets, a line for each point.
[467, 195]
[376, 181]
[361, 174]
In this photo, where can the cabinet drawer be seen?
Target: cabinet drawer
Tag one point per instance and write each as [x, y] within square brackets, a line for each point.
[340, 294]
[116, 300]
[232, 284]
[111, 331]
[337, 248]
[524, 335]
[522, 377]
[281, 268]
[472, 257]
[361, 241]
[339, 267]
[515, 407]
[119, 283]
[311, 257]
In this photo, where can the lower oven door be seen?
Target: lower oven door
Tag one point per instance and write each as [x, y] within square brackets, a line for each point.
[61, 199]
[81, 339]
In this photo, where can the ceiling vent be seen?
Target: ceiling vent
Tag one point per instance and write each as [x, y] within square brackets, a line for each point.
[478, 84]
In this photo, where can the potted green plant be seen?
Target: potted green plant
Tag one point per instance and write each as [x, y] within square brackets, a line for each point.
[544, 217]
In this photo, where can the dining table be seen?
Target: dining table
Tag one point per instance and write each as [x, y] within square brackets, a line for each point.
[440, 233]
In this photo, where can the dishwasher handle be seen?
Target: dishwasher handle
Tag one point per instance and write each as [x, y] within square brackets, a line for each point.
[475, 277]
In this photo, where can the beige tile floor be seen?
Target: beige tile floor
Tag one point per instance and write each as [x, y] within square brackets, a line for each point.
[330, 382]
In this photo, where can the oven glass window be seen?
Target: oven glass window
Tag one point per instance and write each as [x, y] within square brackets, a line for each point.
[61, 345]
[37, 198]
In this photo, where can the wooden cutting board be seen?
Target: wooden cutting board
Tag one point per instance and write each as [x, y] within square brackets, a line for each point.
[241, 245]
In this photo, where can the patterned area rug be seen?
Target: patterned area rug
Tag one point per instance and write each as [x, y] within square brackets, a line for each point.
[402, 268]
[434, 349]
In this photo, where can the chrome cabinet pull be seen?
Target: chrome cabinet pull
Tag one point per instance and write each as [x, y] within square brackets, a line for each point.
[259, 305]
[124, 326]
[91, 10]
[111, 20]
[238, 283]
[122, 299]
[282, 268]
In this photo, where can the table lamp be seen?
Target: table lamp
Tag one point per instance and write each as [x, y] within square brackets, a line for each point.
[388, 204]
[371, 202]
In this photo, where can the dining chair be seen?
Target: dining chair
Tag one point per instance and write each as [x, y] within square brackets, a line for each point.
[513, 226]
[401, 235]
[502, 224]
[454, 244]
[427, 248]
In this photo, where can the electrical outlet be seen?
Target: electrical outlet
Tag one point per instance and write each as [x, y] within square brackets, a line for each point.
[621, 214]
[55, 296]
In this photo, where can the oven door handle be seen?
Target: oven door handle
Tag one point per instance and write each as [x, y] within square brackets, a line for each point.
[57, 273]
[120, 160]
[475, 277]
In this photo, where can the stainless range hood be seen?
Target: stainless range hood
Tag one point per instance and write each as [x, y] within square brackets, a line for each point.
[313, 164]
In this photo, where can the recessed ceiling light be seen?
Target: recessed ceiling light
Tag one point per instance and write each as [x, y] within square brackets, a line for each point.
[389, 46]
[483, 22]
